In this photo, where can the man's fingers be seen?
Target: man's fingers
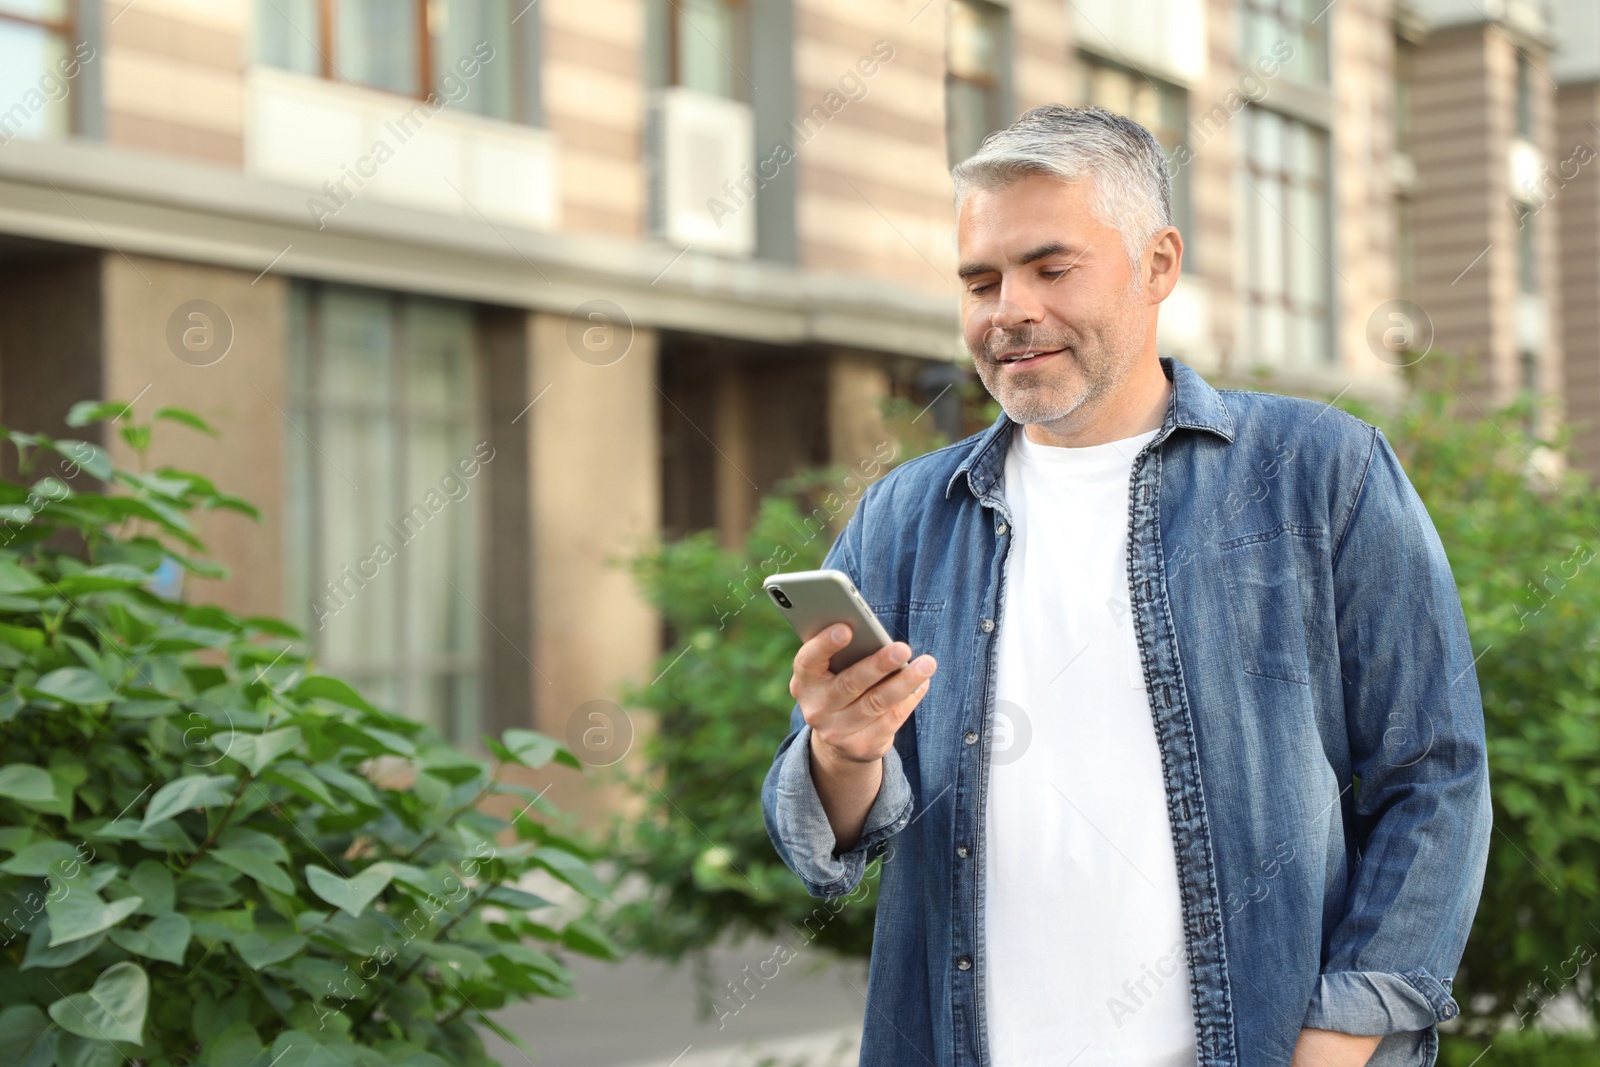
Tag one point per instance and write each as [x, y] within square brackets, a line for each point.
[864, 730]
[858, 678]
[886, 697]
[811, 662]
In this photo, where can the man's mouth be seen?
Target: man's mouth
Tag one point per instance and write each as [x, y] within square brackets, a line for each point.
[1028, 355]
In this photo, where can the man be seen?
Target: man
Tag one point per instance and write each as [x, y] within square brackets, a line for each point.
[1201, 779]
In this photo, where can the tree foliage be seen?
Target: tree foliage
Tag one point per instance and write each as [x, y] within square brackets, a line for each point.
[212, 853]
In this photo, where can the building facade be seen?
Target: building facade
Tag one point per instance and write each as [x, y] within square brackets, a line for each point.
[482, 293]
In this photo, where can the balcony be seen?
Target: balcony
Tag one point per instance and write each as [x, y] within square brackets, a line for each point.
[342, 143]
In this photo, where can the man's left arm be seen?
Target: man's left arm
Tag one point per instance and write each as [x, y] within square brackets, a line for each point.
[1414, 718]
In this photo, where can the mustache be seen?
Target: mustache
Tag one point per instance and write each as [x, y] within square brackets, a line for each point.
[999, 340]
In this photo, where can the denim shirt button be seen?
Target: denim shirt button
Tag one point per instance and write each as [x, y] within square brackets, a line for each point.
[986, 625]
[964, 963]
[970, 737]
[963, 851]
[1001, 529]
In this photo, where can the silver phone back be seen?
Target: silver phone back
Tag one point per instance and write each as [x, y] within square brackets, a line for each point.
[817, 600]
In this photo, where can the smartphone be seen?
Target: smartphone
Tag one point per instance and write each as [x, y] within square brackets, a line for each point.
[812, 601]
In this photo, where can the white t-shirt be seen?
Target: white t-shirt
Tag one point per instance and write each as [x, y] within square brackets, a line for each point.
[1082, 914]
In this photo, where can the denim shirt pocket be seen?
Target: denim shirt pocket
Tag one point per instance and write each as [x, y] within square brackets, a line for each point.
[915, 622]
[1262, 578]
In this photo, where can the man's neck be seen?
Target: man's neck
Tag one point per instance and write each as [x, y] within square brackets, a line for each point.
[1139, 406]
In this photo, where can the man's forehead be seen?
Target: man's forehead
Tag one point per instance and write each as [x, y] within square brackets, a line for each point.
[1013, 221]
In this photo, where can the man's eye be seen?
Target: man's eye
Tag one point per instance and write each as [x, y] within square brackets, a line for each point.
[979, 290]
[1056, 275]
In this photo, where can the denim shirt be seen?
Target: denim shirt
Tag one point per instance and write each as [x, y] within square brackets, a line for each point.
[1315, 705]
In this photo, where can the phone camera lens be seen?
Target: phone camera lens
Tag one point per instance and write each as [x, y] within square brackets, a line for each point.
[778, 595]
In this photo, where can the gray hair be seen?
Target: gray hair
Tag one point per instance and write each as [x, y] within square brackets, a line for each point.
[1132, 188]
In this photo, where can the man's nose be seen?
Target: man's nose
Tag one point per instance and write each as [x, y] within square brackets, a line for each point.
[1008, 313]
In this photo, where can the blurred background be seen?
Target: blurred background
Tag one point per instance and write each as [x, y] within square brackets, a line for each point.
[490, 297]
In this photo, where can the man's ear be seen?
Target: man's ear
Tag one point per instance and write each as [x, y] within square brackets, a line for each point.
[1161, 264]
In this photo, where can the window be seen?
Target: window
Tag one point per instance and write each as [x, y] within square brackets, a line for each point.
[386, 483]
[1529, 366]
[708, 46]
[33, 47]
[975, 103]
[1301, 24]
[1159, 107]
[1405, 245]
[410, 47]
[1527, 249]
[1405, 214]
[1524, 96]
[1284, 241]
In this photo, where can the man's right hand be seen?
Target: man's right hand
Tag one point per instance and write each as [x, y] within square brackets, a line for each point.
[854, 716]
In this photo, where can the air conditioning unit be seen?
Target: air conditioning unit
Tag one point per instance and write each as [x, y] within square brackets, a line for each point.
[701, 151]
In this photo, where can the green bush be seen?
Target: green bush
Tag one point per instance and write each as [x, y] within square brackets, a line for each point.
[722, 708]
[215, 855]
[1521, 546]
[1532, 1048]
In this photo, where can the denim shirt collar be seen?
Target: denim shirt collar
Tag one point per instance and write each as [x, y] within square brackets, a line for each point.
[1194, 404]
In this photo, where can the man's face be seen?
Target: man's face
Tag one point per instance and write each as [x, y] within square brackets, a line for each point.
[1043, 278]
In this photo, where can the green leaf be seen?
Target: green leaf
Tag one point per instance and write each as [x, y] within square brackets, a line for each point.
[187, 418]
[237, 1046]
[112, 1010]
[163, 939]
[27, 784]
[255, 751]
[512, 897]
[85, 412]
[354, 786]
[24, 638]
[259, 952]
[583, 936]
[41, 858]
[532, 749]
[257, 866]
[276, 627]
[41, 954]
[153, 882]
[17, 579]
[571, 870]
[75, 1051]
[350, 895]
[322, 687]
[90, 457]
[255, 841]
[187, 794]
[302, 781]
[80, 912]
[23, 1040]
[75, 685]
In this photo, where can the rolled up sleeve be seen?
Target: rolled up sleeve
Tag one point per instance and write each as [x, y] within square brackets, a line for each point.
[790, 806]
[1421, 812]
[799, 826]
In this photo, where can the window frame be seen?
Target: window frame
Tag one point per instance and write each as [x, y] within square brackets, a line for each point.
[1250, 294]
[996, 88]
[307, 411]
[66, 28]
[743, 18]
[1182, 204]
[1312, 34]
[1523, 119]
[524, 88]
